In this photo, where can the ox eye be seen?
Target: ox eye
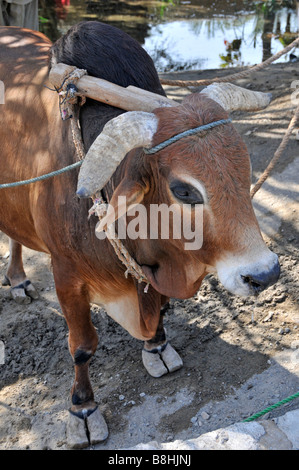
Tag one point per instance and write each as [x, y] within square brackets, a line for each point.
[186, 193]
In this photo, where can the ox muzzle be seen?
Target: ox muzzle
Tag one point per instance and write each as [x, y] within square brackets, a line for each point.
[249, 278]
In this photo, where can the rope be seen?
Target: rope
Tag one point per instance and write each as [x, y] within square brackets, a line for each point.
[124, 256]
[68, 92]
[236, 76]
[100, 209]
[277, 154]
[187, 133]
[42, 177]
[68, 98]
[270, 408]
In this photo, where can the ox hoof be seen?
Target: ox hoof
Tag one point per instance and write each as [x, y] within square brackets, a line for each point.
[23, 293]
[19, 296]
[161, 362]
[84, 430]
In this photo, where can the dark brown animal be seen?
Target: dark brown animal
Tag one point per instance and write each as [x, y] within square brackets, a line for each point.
[211, 171]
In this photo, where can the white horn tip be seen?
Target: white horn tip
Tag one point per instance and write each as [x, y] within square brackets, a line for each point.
[83, 193]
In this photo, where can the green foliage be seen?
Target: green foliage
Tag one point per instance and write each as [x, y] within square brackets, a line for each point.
[43, 20]
[270, 6]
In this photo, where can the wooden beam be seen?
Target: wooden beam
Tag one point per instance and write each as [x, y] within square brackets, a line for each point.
[129, 99]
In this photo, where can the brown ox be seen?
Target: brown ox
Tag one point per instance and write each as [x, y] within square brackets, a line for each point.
[211, 171]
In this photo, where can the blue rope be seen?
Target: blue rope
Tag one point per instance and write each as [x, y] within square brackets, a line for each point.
[187, 133]
[42, 177]
[155, 149]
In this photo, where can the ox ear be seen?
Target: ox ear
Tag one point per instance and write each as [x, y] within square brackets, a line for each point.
[128, 194]
[235, 98]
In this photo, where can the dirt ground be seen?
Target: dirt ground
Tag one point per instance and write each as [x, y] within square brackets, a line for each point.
[224, 341]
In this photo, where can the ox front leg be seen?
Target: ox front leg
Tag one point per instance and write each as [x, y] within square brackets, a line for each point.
[158, 356]
[86, 425]
[22, 291]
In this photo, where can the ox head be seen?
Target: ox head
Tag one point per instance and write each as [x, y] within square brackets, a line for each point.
[210, 170]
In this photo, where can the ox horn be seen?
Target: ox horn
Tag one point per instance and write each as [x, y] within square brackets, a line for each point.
[119, 136]
[234, 98]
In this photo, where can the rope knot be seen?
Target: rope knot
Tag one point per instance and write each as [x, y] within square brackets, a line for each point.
[68, 98]
[69, 95]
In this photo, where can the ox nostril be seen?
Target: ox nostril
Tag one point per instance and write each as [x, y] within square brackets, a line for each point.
[258, 282]
[254, 285]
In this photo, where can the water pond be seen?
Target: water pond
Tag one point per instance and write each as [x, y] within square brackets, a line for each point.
[188, 34]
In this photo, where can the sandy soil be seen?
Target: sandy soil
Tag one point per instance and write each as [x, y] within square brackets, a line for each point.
[223, 340]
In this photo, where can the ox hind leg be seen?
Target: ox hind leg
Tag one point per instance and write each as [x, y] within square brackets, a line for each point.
[158, 356]
[86, 425]
[22, 291]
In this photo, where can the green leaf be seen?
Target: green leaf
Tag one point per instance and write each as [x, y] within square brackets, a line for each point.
[43, 20]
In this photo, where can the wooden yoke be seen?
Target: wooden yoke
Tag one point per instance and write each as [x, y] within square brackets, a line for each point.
[129, 99]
